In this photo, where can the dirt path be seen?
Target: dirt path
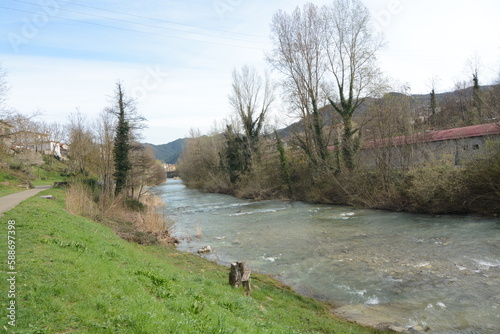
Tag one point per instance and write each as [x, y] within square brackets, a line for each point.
[10, 201]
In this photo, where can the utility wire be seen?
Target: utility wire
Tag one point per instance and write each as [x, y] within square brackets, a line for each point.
[136, 23]
[166, 21]
[138, 31]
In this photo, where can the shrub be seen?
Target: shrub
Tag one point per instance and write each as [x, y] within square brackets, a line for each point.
[482, 181]
[134, 205]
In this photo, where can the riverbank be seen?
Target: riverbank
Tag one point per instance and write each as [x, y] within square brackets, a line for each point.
[76, 275]
[435, 187]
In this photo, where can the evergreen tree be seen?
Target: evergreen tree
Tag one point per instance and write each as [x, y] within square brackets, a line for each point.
[122, 144]
[284, 164]
[433, 102]
[236, 156]
[476, 94]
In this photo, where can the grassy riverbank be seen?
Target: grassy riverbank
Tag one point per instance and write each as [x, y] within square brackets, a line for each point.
[76, 276]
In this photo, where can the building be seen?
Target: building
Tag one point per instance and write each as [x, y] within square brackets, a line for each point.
[29, 140]
[64, 149]
[6, 134]
[38, 142]
[448, 147]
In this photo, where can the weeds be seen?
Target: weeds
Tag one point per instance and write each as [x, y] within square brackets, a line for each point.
[144, 222]
[198, 231]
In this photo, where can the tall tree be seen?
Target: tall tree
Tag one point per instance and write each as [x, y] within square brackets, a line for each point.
[477, 100]
[329, 51]
[251, 98]
[351, 49]
[300, 57]
[236, 157]
[105, 129]
[3, 91]
[145, 170]
[433, 104]
[474, 64]
[122, 144]
[81, 140]
[284, 164]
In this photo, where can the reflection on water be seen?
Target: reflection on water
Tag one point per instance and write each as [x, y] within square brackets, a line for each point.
[441, 272]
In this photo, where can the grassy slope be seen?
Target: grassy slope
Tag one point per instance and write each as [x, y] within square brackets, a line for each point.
[76, 276]
[12, 187]
[49, 173]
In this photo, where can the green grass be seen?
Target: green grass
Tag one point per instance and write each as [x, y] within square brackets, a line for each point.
[49, 173]
[12, 187]
[77, 276]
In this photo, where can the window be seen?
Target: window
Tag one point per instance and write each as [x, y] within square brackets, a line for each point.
[475, 147]
[465, 147]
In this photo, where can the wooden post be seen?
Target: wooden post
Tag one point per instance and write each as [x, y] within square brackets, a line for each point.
[239, 274]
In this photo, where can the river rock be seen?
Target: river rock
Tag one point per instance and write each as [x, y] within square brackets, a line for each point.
[381, 317]
[204, 249]
[419, 329]
[398, 328]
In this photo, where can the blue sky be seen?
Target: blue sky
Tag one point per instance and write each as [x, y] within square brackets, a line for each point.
[176, 57]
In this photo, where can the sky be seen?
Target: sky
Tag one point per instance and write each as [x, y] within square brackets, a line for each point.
[176, 57]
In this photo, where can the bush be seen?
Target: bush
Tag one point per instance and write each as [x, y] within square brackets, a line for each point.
[482, 181]
[134, 205]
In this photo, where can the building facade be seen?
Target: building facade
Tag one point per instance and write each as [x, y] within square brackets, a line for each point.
[445, 147]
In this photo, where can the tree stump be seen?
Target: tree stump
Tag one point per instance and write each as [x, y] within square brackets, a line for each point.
[239, 274]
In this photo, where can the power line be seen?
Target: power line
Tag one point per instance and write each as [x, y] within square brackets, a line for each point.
[166, 21]
[138, 31]
[136, 23]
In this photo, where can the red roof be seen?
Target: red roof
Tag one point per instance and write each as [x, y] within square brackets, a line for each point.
[433, 136]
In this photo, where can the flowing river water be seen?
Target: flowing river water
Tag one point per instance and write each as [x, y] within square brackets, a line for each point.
[420, 271]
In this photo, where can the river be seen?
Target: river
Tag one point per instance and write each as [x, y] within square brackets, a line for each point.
[437, 272]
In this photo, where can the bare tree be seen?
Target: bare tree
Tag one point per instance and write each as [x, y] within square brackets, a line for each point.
[327, 51]
[351, 49]
[105, 132]
[83, 151]
[145, 170]
[299, 55]
[3, 92]
[392, 130]
[493, 102]
[474, 65]
[200, 162]
[27, 130]
[251, 98]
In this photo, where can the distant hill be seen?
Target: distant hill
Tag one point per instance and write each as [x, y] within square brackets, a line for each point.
[169, 153]
[420, 104]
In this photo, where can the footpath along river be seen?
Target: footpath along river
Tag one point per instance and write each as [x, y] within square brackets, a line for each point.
[421, 271]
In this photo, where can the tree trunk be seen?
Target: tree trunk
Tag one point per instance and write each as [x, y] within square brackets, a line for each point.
[239, 274]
